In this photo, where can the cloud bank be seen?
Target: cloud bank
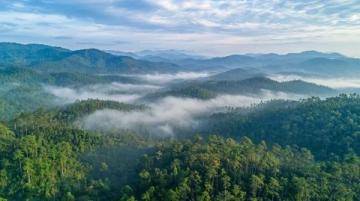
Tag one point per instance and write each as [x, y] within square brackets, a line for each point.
[163, 78]
[335, 83]
[169, 113]
[120, 92]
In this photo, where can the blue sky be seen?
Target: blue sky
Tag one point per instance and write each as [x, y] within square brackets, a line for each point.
[212, 27]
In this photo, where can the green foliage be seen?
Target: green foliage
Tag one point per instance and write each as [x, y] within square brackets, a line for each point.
[223, 169]
[46, 157]
[20, 75]
[80, 79]
[41, 170]
[79, 109]
[21, 99]
[66, 116]
[329, 128]
[17, 54]
[92, 61]
[49, 157]
[257, 84]
[22, 90]
[73, 79]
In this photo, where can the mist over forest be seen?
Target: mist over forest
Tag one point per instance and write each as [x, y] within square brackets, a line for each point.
[179, 100]
[98, 125]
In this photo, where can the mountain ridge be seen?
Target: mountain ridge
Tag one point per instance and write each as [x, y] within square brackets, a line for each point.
[54, 59]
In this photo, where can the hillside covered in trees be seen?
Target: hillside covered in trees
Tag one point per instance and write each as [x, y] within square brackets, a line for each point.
[329, 128]
[44, 156]
[179, 100]
[89, 125]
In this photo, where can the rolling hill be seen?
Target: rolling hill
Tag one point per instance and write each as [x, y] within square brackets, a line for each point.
[252, 86]
[53, 59]
[237, 74]
[329, 64]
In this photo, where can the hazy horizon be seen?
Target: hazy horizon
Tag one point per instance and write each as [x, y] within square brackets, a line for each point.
[179, 100]
[183, 51]
[213, 28]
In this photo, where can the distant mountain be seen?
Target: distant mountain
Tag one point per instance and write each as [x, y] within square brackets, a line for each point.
[219, 63]
[232, 61]
[257, 84]
[314, 54]
[308, 61]
[15, 77]
[96, 61]
[252, 86]
[167, 55]
[23, 55]
[53, 59]
[296, 57]
[345, 67]
[159, 55]
[237, 74]
[330, 66]
[45, 58]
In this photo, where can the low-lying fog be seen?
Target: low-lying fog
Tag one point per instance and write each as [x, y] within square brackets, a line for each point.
[166, 114]
[123, 92]
[115, 91]
[162, 78]
[335, 83]
[171, 112]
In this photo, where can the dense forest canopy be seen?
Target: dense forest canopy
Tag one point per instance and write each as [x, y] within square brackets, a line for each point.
[45, 157]
[201, 129]
[329, 128]
[223, 169]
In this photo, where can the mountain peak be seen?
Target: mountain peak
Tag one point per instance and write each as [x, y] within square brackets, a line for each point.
[313, 53]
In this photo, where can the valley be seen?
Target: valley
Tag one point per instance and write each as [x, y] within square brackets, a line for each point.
[96, 125]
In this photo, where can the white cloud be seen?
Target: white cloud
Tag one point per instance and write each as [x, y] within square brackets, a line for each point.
[225, 26]
[336, 83]
[124, 88]
[166, 4]
[116, 92]
[161, 78]
[171, 112]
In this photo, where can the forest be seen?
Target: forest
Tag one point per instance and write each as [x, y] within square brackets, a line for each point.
[123, 129]
[44, 156]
